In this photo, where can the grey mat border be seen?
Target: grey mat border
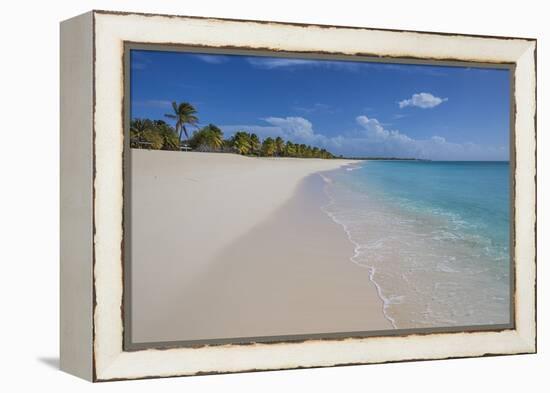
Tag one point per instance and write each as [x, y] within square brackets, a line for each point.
[128, 345]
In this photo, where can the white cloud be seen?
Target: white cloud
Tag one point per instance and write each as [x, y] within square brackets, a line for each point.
[294, 128]
[212, 59]
[270, 63]
[422, 100]
[317, 107]
[375, 140]
[371, 139]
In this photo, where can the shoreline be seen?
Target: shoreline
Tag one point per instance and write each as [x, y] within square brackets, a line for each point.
[356, 247]
[249, 285]
[432, 266]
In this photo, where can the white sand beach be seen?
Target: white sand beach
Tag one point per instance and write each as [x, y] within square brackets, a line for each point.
[227, 246]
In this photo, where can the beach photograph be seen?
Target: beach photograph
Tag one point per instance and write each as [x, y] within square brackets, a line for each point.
[275, 198]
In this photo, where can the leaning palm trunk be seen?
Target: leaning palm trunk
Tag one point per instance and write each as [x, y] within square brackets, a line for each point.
[184, 113]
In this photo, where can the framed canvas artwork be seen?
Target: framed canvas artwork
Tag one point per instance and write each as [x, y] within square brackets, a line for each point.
[246, 195]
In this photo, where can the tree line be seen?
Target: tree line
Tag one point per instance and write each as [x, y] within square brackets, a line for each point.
[159, 135]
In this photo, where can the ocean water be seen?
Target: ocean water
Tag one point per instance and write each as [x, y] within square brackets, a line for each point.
[434, 236]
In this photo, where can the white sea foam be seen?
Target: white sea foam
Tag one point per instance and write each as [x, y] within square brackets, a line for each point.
[353, 168]
[356, 252]
[325, 178]
[426, 271]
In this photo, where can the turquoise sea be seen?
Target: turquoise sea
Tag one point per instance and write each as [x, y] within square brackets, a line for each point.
[434, 236]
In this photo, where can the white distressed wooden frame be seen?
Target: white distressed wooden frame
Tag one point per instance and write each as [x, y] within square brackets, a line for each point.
[92, 47]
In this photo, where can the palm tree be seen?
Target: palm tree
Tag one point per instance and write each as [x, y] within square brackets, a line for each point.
[279, 145]
[268, 147]
[325, 154]
[290, 149]
[169, 136]
[301, 150]
[137, 128]
[214, 136]
[207, 139]
[139, 125]
[255, 144]
[315, 152]
[241, 142]
[184, 113]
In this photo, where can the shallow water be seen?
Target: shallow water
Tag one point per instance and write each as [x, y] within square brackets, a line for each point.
[434, 236]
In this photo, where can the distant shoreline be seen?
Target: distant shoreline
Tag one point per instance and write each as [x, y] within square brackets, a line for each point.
[382, 158]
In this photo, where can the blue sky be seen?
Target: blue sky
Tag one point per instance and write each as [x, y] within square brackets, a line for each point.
[350, 108]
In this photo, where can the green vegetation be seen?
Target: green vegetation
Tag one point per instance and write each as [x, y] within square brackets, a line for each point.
[184, 113]
[153, 134]
[241, 143]
[158, 135]
[209, 138]
[269, 148]
[255, 144]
